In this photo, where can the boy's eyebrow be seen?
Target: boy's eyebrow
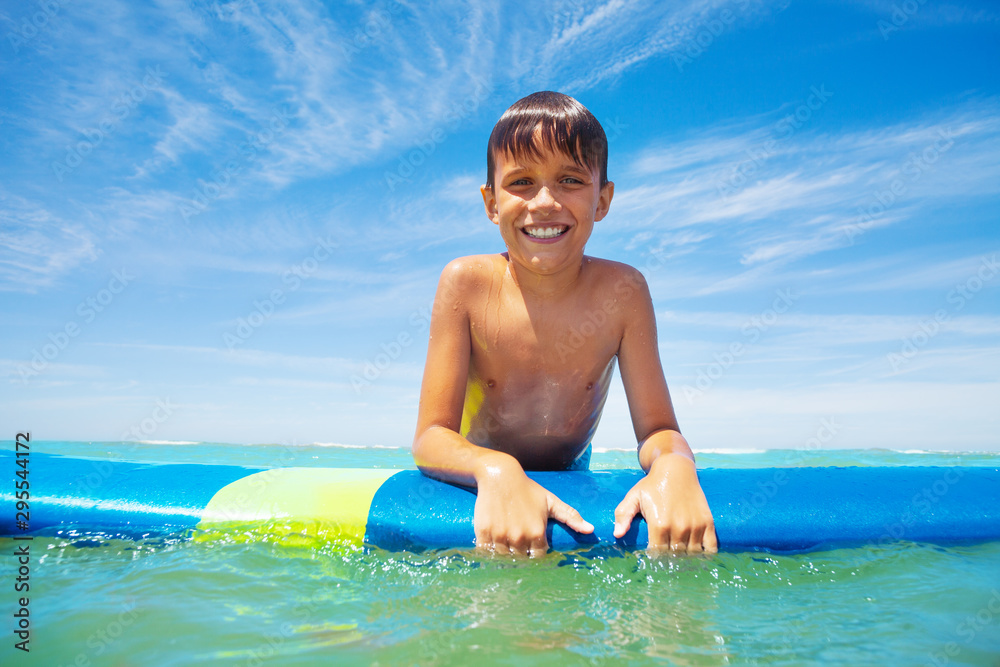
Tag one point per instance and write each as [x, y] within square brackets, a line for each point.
[573, 166]
[565, 166]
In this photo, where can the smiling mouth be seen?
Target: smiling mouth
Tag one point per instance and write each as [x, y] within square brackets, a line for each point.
[545, 232]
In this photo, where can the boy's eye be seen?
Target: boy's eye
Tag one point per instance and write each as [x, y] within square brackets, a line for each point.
[572, 179]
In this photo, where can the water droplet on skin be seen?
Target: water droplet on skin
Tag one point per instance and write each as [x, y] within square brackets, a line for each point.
[490, 383]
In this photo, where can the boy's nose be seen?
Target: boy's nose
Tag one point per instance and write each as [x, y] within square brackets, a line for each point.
[543, 200]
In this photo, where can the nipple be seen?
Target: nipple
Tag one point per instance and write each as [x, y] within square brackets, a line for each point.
[590, 385]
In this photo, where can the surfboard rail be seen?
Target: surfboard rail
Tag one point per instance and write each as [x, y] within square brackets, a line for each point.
[771, 509]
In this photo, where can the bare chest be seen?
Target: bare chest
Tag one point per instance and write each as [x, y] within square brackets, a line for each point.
[571, 337]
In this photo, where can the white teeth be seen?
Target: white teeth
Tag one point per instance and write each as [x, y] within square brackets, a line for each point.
[545, 232]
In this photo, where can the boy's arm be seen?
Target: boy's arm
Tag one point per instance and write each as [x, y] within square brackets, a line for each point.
[669, 497]
[512, 511]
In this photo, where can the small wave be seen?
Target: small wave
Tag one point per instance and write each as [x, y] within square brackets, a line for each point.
[168, 442]
[337, 445]
[333, 445]
[941, 451]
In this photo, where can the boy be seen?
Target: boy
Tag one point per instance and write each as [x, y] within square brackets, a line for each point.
[523, 346]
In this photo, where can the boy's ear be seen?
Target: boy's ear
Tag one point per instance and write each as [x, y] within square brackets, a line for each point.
[490, 201]
[604, 201]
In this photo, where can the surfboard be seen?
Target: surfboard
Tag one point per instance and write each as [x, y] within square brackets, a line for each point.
[770, 509]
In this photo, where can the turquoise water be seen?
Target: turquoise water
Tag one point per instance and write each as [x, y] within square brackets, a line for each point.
[175, 601]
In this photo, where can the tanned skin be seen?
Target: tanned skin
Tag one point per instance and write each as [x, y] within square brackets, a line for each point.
[525, 343]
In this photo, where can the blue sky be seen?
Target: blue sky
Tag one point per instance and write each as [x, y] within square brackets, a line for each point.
[225, 221]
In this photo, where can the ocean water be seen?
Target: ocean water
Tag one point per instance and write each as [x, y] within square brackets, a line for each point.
[178, 601]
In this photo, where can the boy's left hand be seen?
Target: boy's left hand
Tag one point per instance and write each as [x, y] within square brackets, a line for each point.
[670, 498]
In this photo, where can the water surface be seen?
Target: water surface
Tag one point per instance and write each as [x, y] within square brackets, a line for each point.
[178, 601]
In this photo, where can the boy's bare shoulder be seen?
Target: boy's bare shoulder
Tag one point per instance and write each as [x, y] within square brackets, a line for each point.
[472, 272]
[625, 280]
[609, 267]
[473, 267]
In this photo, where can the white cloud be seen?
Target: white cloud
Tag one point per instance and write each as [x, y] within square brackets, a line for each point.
[37, 247]
[806, 193]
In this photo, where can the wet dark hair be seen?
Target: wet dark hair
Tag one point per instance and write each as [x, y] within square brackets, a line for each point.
[565, 125]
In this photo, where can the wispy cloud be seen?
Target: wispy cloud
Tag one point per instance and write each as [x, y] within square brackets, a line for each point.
[808, 193]
[37, 248]
[619, 35]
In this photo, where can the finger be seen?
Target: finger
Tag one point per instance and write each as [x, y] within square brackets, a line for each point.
[487, 542]
[539, 547]
[568, 516]
[665, 540]
[501, 548]
[680, 537]
[662, 539]
[625, 513]
[521, 544]
[659, 546]
[695, 542]
[711, 540]
[483, 539]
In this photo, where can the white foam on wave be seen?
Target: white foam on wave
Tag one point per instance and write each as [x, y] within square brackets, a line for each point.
[710, 450]
[942, 451]
[167, 442]
[726, 451]
[332, 445]
[337, 445]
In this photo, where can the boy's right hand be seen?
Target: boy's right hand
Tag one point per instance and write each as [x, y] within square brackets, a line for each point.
[512, 512]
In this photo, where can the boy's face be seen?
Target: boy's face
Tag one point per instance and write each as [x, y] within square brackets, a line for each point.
[546, 208]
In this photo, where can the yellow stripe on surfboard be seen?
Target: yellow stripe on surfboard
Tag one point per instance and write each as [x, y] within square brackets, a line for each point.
[474, 397]
[331, 503]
